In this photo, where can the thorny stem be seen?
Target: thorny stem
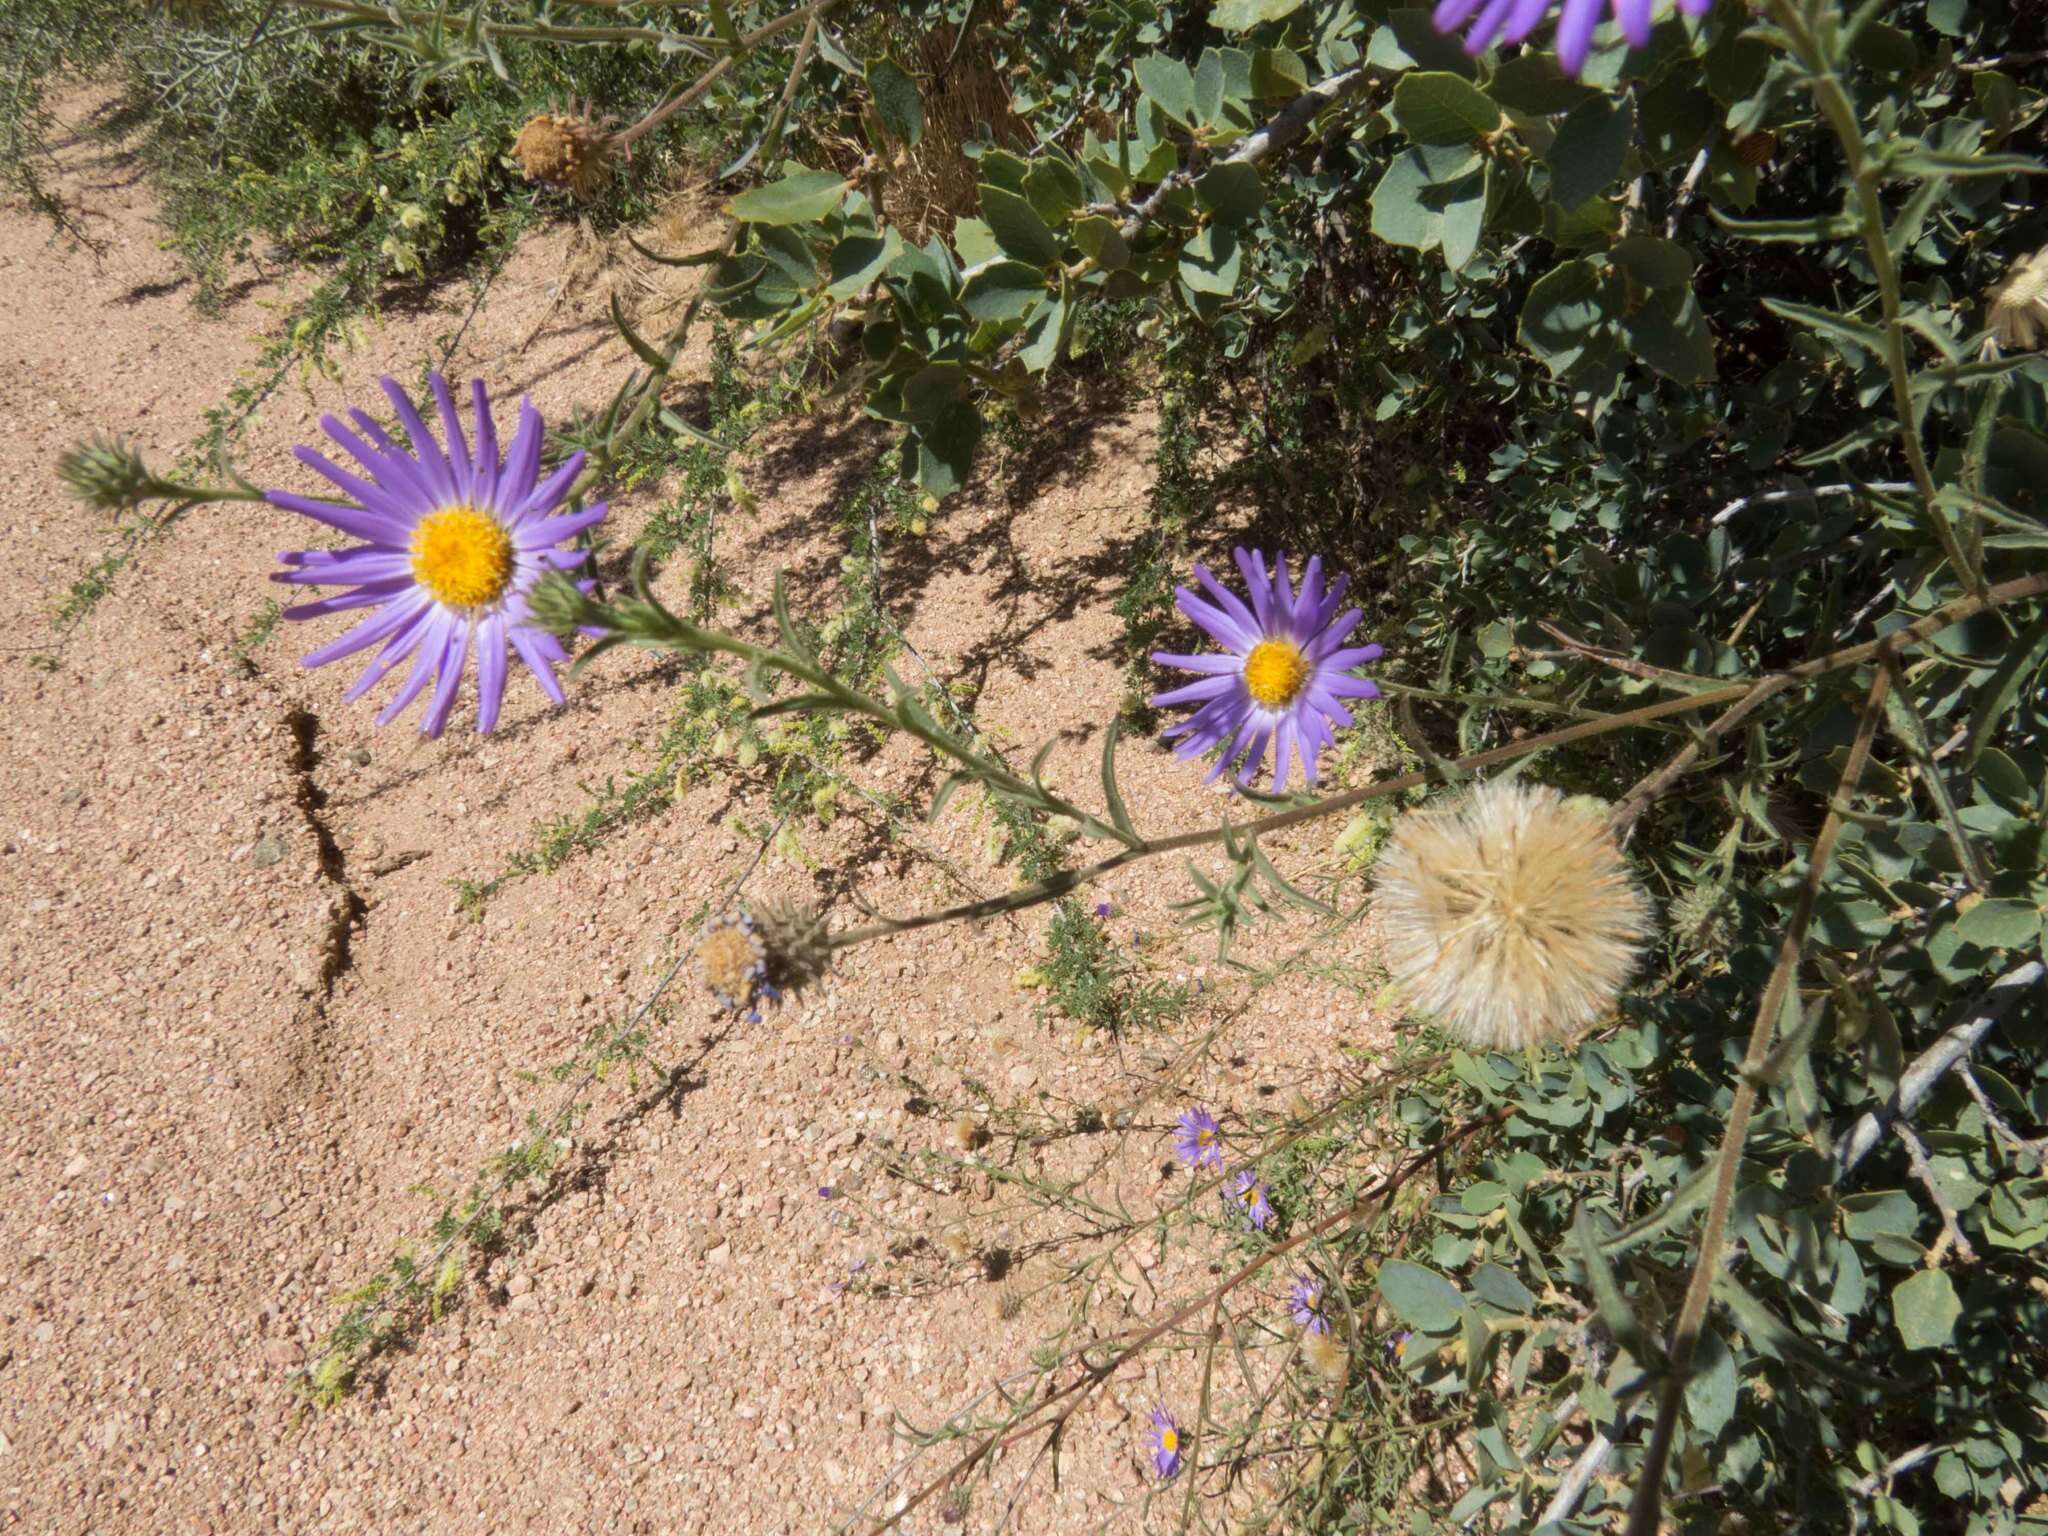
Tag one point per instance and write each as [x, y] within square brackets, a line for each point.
[1692, 1312]
[1840, 112]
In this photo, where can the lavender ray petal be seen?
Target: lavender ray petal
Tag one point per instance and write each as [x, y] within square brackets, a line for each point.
[427, 452]
[396, 649]
[1346, 659]
[1352, 687]
[432, 651]
[1575, 24]
[554, 488]
[483, 464]
[359, 522]
[1522, 20]
[1251, 565]
[363, 636]
[1449, 15]
[374, 595]
[1634, 16]
[522, 464]
[1248, 621]
[1215, 622]
[1487, 27]
[491, 648]
[1206, 661]
[369, 566]
[1207, 688]
[459, 466]
[541, 532]
[373, 496]
[543, 671]
[449, 684]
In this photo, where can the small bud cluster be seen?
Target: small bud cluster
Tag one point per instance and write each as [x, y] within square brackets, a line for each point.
[108, 473]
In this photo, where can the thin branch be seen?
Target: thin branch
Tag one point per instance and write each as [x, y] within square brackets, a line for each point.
[1735, 508]
[1951, 1230]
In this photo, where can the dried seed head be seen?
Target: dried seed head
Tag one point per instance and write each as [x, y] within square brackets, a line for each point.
[799, 941]
[957, 1243]
[2018, 312]
[1510, 918]
[1327, 1356]
[1005, 1303]
[734, 960]
[966, 1133]
[565, 150]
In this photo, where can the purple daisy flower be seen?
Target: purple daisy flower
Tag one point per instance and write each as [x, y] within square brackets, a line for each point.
[1305, 1303]
[1509, 21]
[1282, 677]
[1165, 1444]
[1250, 1195]
[1201, 1139]
[453, 542]
[1397, 1345]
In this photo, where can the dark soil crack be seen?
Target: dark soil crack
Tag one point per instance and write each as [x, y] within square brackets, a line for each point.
[303, 1069]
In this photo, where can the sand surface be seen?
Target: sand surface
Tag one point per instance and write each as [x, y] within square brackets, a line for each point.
[244, 1017]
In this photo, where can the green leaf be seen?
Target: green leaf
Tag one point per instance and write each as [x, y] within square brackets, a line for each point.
[1409, 41]
[1409, 202]
[859, 259]
[897, 102]
[1925, 1309]
[2000, 922]
[1005, 290]
[1652, 262]
[1054, 189]
[945, 448]
[1278, 74]
[1018, 228]
[1209, 81]
[1046, 336]
[1420, 1297]
[1566, 314]
[1170, 85]
[1532, 83]
[1103, 241]
[1209, 263]
[1858, 333]
[1670, 334]
[641, 349]
[975, 242]
[1586, 155]
[803, 197]
[1243, 15]
[1500, 1287]
[1112, 797]
[1231, 192]
[1442, 108]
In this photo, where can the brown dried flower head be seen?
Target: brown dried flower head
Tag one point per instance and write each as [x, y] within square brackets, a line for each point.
[570, 151]
[1327, 1356]
[966, 1132]
[1509, 918]
[2018, 312]
[733, 958]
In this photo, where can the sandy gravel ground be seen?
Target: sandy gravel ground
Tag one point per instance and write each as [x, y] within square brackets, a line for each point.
[243, 1019]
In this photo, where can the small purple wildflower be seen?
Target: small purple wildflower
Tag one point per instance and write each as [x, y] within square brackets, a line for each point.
[1105, 909]
[1165, 1445]
[1201, 1139]
[1509, 21]
[1397, 1345]
[1282, 676]
[1250, 1195]
[452, 542]
[1305, 1302]
[826, 1191]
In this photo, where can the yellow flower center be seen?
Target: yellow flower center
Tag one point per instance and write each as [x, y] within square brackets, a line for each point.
[1169, 1441]
[462, 556]
[1275, 673]
[1204, 1136]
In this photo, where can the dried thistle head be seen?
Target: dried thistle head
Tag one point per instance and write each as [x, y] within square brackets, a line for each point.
[966, 1133]
[569, 150]
[1510, 918]
[757, 956]
[1328, 1356]
[2018, 307]
[957, 1242]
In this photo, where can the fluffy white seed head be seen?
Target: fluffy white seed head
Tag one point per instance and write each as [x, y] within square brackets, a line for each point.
[1509, 917]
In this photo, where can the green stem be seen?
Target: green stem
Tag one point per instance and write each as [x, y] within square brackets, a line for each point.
[1840, 111]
